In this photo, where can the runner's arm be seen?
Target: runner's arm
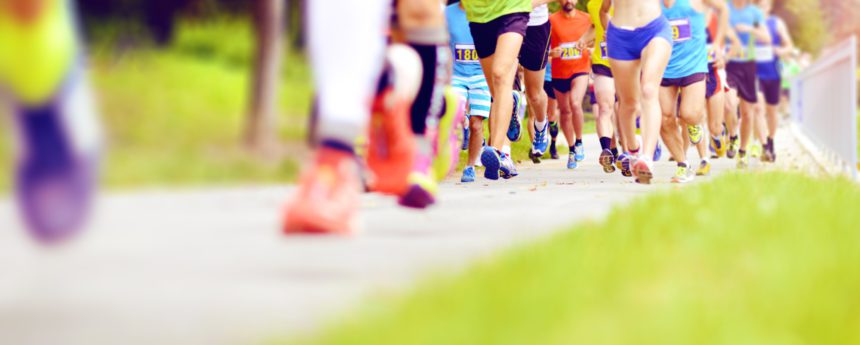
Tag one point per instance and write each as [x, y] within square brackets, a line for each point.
[605, 8]
[787, 42]
[587, 39]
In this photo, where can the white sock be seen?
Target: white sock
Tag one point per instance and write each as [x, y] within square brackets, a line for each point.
[540, 124]
[506, 149]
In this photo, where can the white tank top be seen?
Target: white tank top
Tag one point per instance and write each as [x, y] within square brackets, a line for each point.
[539, 16]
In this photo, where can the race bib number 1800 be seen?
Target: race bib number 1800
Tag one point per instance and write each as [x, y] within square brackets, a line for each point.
[570, 52]
[681, 30]
[465, 53]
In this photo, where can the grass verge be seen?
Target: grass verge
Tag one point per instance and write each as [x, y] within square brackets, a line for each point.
[766, 258]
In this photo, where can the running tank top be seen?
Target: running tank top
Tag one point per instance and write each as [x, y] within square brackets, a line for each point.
[600, 55]
[767, 63]
[689, 52]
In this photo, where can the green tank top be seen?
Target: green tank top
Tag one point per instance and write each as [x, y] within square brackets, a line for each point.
[35, 57]
[484, 11]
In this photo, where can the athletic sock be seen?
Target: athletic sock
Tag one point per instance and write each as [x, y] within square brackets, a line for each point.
[742, 153]
[734, 137]
[578, 142]
[605, 142]
[769, 143]
[506, 149]
[614, 151]
[432, 47]
[553, 129]
[572, 148]
[539, 124]
[682, 164]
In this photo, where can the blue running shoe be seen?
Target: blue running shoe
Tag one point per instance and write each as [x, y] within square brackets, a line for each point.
[571, 161]
[579, 152]
[541, 142]
[515, 128]
[658, 152]
[507, 167]
[468, 175]
[465, 139]
[492, 162]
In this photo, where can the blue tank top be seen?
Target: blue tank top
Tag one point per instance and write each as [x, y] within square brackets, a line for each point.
[767, 62]
[750, 15]
[466, 63]
[689, 52]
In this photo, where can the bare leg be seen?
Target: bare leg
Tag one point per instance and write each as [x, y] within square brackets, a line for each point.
[604, 89]
[629, 95]
[655, 57]
[716, 114]
[671, 127]
[476, 139]
[565, 107]
[578, 89]
[500, 70]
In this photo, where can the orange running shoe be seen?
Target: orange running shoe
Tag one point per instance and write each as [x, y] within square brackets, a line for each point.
[391, 148]
[327, 198]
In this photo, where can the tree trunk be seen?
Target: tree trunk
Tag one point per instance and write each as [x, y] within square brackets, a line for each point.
[261, 130]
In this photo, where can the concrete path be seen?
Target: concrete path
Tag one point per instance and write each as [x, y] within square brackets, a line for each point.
[209, 266]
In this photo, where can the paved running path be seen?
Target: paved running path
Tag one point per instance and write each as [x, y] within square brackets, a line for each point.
[209, 266]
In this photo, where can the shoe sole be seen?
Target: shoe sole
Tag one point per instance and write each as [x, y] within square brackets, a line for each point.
[607, 163]
[642, 173]
[491, 163]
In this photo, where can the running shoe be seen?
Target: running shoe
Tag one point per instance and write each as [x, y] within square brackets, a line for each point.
[743, 162]
[643, 172]
[718, 148]
[658, 152]
[446, 148]
[734, 146]
[755, 150]
[579, 152]
[682, 175]
[541, 141]
[391, 146]
[468, 175]
[704, 168]
[327, 198]
[422, 189]
[696, 133]
[507, 167]
[515, 127]
[553, 151]
[571, 161]
[57, 167]
[769, 155]
[623, 163]
[607, 160]
[492, 162]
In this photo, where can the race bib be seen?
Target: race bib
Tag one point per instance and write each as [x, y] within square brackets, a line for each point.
[764, 54]
[465, 53]
[604, 53]
[681, 30]
[570, 52]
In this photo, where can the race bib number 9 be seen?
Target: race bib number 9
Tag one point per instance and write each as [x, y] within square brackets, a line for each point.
[681, 30]
[570, 52]
[465, 53]
[764, 54]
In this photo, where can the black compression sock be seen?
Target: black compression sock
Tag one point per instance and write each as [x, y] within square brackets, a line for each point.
[578, 142]
[605, 142]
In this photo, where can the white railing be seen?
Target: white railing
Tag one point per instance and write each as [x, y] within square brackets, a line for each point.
[824, 107]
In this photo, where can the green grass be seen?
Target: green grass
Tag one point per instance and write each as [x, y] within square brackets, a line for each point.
[767, 258]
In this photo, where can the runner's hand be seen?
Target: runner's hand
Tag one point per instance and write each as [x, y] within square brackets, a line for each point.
[556, 52]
